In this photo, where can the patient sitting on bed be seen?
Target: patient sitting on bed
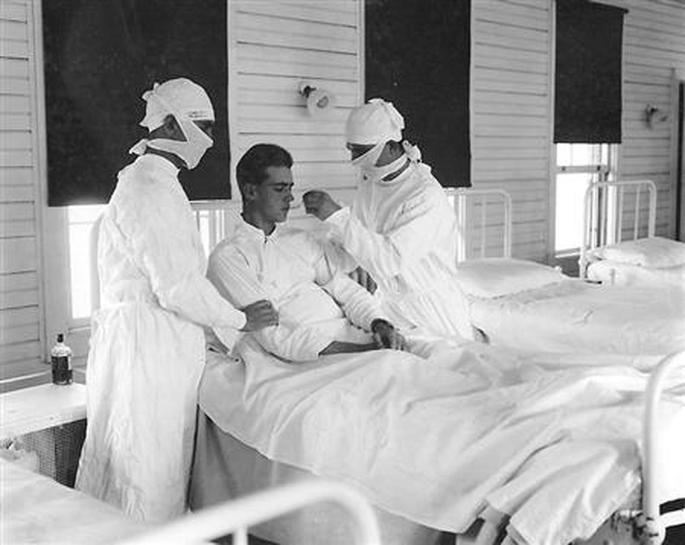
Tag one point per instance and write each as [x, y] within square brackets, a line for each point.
[320, 311]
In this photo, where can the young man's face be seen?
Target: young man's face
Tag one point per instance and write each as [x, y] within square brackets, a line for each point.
[274, 194]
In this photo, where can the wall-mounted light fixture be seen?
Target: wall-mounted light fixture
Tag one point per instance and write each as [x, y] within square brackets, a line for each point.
[654, 116]
[320, 102]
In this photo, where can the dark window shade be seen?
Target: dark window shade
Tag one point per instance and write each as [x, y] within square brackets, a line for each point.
[100, 56]
[587, 87]
[417, 57]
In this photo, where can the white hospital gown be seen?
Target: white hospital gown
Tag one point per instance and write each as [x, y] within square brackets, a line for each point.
[147, 345]
[291, 269]
[404, 233]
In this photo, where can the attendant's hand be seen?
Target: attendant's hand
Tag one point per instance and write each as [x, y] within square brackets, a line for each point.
[319, 204]
[260, 315]
[342, 347]
[385, 334]
[361, 277]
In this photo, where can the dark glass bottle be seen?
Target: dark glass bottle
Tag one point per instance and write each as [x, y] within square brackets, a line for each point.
[60, 357]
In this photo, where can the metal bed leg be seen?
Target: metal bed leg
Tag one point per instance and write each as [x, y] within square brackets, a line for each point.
[653, 530]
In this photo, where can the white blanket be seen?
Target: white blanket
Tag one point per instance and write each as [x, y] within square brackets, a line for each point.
[627, 274]
[574, 316]
[439, 440]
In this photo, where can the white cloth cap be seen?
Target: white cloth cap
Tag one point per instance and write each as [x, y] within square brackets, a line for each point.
[178, 97]
[375, 122]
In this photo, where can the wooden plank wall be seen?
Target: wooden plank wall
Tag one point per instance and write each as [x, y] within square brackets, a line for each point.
[511, 103]
[20, 309]
[510, 112]
[653, 47]
[278, 45]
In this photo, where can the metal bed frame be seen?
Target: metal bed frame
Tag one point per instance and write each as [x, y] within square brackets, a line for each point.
[234, 517]
[603, 213]
[471, 206]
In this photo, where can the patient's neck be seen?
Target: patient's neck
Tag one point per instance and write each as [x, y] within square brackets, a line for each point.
[256, 219]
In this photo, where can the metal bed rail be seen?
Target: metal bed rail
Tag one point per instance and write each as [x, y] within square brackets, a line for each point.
[654, 526]
[603, 215]
[464, 201]
[234, 517]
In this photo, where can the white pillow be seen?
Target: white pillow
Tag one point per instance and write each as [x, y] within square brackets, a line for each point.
[494, 277]
[647, 252]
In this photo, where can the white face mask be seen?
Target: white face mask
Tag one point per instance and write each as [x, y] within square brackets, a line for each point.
[192, 149]
[367, 164]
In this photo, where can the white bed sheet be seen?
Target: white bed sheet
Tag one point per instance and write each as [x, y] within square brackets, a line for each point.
[573, 315]
[619, 273]
[225, 468]
[36, 509]
[439, 440]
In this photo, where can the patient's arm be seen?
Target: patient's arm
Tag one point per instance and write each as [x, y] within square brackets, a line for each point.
[235, 280]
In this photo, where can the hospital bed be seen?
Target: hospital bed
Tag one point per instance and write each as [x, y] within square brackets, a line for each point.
[226, 467]
[529, 305]
[619, 245]
[36, 509]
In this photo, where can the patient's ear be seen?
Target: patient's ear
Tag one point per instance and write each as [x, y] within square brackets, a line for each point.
[250, 192]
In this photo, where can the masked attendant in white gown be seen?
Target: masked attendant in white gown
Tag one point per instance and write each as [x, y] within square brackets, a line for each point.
[147, 346]
[401, 228]
[320, 311]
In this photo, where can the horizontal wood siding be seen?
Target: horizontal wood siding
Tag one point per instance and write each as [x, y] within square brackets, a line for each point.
[653, 47]
[510, 114]
[20, 307]
[512, 44]
[277, 45]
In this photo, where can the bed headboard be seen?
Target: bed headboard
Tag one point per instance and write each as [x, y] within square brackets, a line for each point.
[485, 222]
[616, 211]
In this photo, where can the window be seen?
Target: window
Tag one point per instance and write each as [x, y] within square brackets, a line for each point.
[577, 166]
[212, 220]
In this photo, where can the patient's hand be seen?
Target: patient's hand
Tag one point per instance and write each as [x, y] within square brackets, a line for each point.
[319, 204]
[341, 347]
[259, 315]
[385, 334]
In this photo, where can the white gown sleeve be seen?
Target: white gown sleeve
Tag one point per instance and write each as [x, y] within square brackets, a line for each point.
[232, 275]
[387, 254]
[359, 306]
[164, 249]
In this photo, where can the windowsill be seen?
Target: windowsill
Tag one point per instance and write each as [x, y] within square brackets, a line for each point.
[40, 407]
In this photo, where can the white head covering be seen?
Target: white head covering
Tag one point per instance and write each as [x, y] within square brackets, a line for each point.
[374, 122]
[187, 102]
[179, 97]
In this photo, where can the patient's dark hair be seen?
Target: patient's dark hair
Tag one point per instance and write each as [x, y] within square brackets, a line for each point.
[251, 168]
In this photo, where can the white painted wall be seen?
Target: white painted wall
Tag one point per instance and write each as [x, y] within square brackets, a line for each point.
[274, 45]
[20, 286]
[512, 107]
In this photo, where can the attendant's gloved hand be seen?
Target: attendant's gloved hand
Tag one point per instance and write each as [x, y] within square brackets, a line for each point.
[319, 204]
[385, 334]
[259, 315]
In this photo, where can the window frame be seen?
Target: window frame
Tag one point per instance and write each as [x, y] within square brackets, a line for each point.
[600, 170]
[52, 223]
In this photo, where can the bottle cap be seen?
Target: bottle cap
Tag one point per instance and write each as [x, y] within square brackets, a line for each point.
[60, 337]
